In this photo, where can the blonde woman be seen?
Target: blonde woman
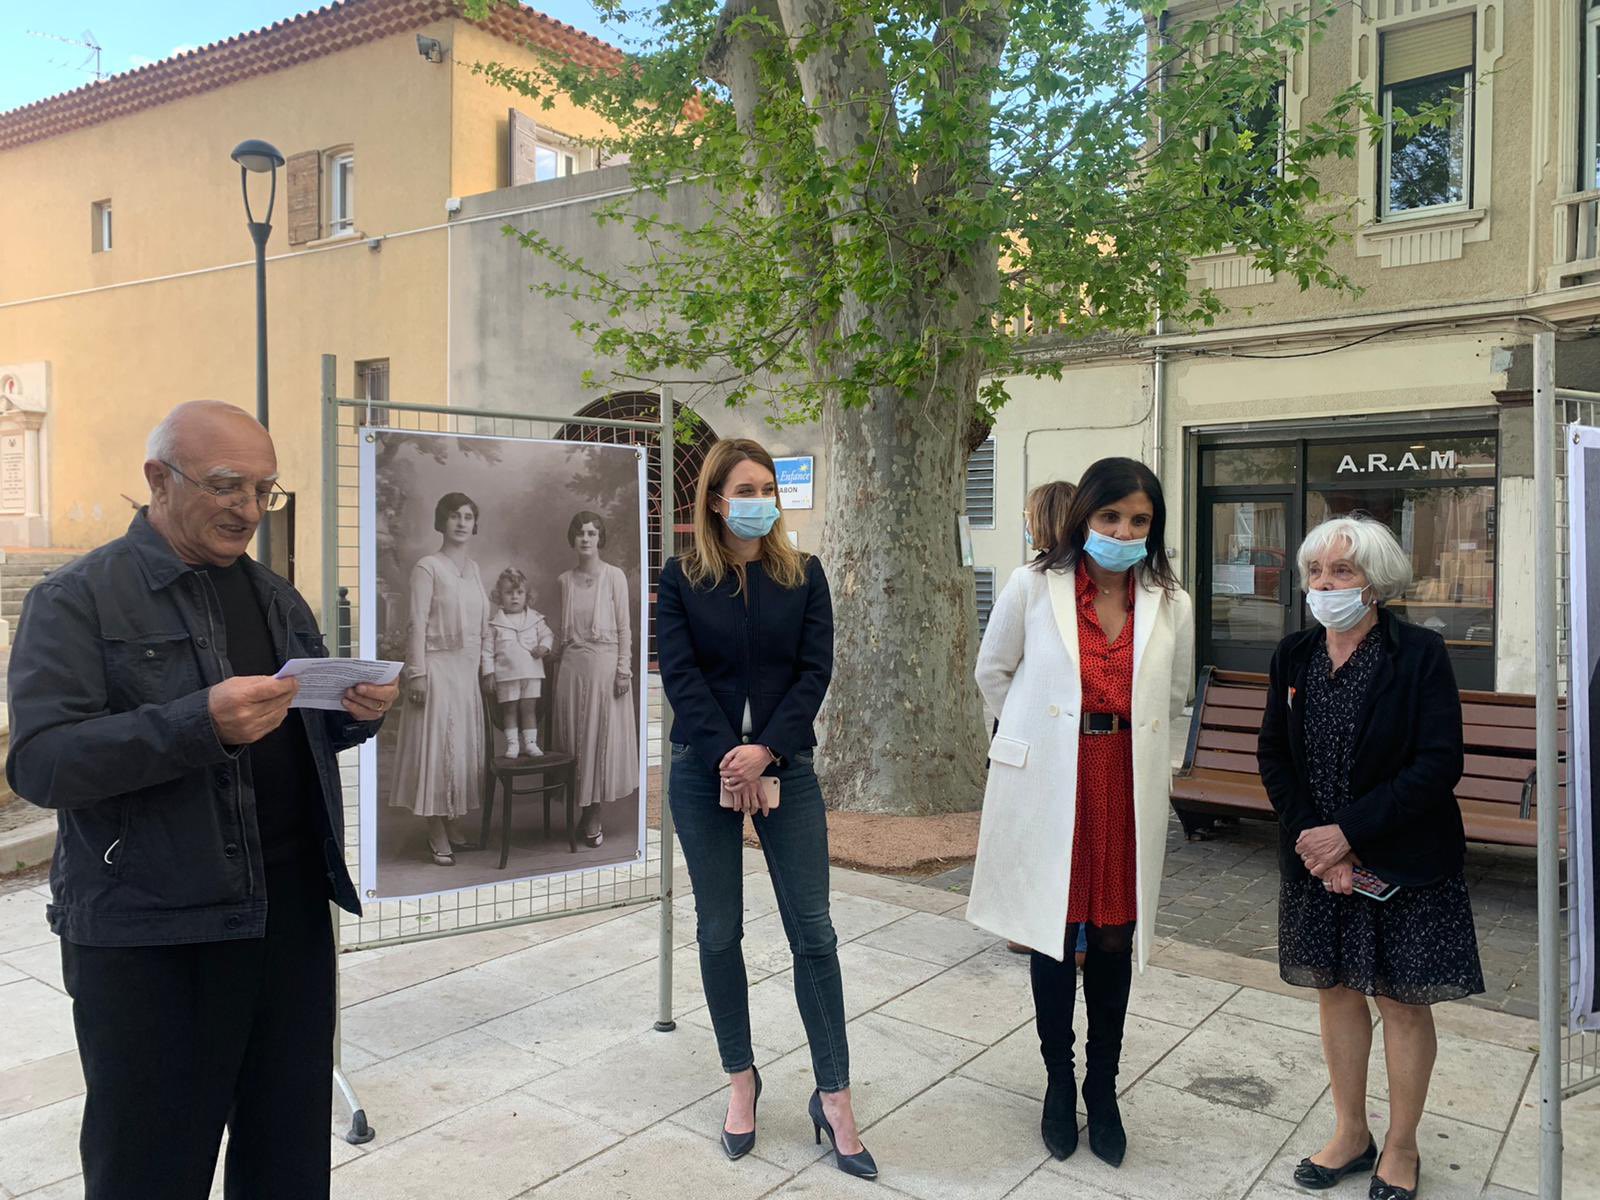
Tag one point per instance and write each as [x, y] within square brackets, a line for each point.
[745, 639]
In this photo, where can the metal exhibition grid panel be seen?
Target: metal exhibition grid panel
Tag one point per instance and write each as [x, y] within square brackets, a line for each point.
[345, 423]
[1580, 1052]
[1569, 1062]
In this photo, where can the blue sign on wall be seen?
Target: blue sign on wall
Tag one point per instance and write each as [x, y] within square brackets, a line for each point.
[795, 480]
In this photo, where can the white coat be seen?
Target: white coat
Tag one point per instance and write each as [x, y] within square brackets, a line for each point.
[1028, 673]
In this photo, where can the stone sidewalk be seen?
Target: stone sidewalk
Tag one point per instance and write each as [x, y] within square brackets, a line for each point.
[522, 1063]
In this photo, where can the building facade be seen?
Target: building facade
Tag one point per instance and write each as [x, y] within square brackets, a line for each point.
[126, 276]
[126, 286]
[1409, 400]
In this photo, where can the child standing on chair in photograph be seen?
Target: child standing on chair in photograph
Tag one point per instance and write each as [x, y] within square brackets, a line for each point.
[519, 639]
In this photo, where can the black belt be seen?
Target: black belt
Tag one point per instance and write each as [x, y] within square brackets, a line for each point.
[1103, 723]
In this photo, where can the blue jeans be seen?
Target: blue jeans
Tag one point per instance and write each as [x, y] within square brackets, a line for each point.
[794, 839]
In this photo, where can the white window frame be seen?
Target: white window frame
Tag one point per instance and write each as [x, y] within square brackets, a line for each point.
[342, 195]
[568, 160]
[1591, 96]
[103, 226]
[1468, 132]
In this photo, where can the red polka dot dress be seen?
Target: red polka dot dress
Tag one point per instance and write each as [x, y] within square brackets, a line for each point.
[1103, 878]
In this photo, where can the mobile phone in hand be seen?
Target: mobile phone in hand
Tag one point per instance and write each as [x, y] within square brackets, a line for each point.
[1370, 886]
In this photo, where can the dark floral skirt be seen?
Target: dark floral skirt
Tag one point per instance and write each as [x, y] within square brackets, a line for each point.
[1417, 947]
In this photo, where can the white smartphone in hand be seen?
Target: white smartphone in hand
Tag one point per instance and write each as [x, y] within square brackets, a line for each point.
[769, 791]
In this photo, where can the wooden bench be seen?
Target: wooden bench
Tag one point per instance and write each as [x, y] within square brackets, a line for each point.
[1219, 776]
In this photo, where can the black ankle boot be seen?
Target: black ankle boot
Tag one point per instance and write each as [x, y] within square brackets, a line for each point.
[1055, 986]
[1107, 978]
[1059, 1124]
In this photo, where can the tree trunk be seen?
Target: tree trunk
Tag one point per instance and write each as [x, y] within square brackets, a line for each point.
[902, 731]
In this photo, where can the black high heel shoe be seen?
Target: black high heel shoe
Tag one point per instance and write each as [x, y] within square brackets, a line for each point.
[861, 1164]
[737, 1145]
[1316, 1177]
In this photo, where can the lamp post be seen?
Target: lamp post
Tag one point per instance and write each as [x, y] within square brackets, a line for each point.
[254, 155]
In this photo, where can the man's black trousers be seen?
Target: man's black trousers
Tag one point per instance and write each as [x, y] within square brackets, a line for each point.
[179, 1041]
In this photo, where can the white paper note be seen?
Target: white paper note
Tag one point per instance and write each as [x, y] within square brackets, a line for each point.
[324, 681]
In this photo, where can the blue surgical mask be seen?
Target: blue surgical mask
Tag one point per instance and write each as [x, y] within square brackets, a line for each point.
[1114, 554]
[751, 517]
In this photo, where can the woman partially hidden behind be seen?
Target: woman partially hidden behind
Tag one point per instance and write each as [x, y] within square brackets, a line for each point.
[1360, 751]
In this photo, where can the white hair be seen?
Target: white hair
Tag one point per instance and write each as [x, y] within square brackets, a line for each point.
[1366, 543]
[162, 444]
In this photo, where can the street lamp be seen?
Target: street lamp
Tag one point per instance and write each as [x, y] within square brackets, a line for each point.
[260, 157]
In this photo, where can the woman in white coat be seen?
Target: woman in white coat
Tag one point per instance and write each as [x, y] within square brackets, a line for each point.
[1086, 662]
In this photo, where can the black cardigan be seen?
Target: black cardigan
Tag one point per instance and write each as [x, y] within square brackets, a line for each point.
[716, 651]
[1403, 821]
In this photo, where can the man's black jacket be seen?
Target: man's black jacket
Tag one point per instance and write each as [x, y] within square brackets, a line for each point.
[157, 841]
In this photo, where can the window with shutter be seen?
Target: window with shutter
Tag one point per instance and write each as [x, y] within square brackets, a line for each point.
[303, 173]
[341, 194]
[100, 215]
[980, 486]
[983, 584]
[1423, 66]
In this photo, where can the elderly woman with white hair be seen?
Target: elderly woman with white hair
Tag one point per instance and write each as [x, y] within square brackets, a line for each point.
[1360, 752]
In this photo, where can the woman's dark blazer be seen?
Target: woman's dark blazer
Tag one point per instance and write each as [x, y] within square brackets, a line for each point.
[716, 651]
[1402, 820]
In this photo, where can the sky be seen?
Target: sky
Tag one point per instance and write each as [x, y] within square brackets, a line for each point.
[132, 33]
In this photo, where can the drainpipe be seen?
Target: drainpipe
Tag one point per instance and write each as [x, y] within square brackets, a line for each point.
[1158, 381]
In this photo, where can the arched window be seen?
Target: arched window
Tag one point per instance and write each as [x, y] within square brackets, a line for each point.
[689, 455]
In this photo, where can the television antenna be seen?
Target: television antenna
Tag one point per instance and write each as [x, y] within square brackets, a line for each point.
[86, 42]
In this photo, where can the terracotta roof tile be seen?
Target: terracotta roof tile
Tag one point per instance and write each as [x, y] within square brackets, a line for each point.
[282, 44]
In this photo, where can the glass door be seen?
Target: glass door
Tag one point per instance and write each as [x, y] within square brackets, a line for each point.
[1247, 587]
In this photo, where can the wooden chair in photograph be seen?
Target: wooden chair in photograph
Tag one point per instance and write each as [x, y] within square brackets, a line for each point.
[553, 768]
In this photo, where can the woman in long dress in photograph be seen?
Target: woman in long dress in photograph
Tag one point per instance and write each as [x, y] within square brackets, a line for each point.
[594, 718]
[439, 768]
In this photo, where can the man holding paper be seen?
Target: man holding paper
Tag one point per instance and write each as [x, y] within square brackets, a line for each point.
[200, 828]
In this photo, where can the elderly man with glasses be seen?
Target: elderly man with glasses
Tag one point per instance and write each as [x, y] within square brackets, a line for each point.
[200, 828]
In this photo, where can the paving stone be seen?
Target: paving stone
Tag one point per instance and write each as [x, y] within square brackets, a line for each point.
[40, 1146]
[492, 1151]
[37, 1024]
[1473, 1081]
[982, 999]
[462, 1070]
[918, 1152]
[1169, 1157]
[1250, 1064]
[663, 1163]
[43, 1081]
[1518, 1165]
[933, 938]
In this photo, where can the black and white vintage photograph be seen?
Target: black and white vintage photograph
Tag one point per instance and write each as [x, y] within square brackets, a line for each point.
[508, 575]
[1583, 846]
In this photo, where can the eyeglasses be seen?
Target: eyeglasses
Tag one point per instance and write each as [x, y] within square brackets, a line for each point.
[268, 499]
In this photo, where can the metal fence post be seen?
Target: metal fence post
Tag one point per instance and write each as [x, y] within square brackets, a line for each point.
[664, 1021]
[1546, 750]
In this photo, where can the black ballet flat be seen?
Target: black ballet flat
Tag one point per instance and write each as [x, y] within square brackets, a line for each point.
[737, 1145]
[1380, 1190]
[1315, 1177]
[861, 1164]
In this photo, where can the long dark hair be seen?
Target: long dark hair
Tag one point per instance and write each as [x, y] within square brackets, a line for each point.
[1104, 483]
